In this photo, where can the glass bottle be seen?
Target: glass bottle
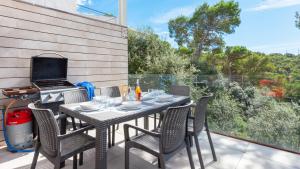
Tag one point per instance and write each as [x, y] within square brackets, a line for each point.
[138, 91]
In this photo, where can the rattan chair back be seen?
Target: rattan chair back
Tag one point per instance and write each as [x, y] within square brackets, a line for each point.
[48, 129]
[200, 113]
[173, 128]
[180, 90]
[75, 96]
[112, 91]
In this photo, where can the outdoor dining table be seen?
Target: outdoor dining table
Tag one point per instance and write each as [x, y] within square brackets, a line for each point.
[102, 119]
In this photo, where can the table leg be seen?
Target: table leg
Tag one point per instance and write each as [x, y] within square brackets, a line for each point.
[146, 123]
[101, 148]
[63, 130]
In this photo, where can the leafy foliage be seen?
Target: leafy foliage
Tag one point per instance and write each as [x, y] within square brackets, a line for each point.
[297, 22]
[245, 83]
[224, 114]
[276, 124]
[205, 29]
[149, 54]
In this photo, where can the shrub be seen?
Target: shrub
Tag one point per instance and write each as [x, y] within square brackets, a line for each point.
[225, 114]
[277, 124]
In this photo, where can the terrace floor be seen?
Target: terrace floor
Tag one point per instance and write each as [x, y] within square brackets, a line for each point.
[231, 153]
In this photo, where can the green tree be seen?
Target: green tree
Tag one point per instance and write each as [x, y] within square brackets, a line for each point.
[149, 54]
[205, 29]
[232, 55]
[253, 67]
[297, 20]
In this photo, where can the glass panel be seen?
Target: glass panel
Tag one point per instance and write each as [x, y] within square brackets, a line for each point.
[105, 10]
[253, 108]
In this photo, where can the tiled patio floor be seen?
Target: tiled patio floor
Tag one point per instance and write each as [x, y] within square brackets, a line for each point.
[231, 153]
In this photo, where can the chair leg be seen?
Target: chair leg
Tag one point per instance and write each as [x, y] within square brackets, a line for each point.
[73, 123]
[75, 161]
[109, 137]
[211, 144]
[136, 124]
[188, 149]
[154, 121]
[158, 163]
[127, 157]
[191, 140]
[162, 162]
[199, 152]
[113, 135]
[57, 166]
[81, 158]
[160, 119]
[36, 155]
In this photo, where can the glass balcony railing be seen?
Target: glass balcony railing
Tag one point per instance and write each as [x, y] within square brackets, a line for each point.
[101, 10]
[253, 108]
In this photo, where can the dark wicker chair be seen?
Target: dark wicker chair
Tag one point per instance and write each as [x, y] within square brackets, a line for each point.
[180, 90]
[76, 96]
[164, 143]
[55, 147]
[174, 90]
[197, 122]
[112, 91]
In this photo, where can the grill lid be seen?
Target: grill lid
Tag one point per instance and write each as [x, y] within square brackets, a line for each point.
[48, 68]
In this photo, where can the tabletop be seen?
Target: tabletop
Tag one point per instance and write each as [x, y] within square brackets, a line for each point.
[113, 115]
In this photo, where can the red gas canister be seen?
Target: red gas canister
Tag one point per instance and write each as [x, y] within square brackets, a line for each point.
[19, 128]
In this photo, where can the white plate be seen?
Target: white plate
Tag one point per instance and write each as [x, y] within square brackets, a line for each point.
[87, 110]
[100, 99]
[129, 109]
[88, 106]
[165, 98]
[147, 98]
[116, 102]
[130, 104]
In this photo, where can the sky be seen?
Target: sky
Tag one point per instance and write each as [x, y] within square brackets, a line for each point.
[267, 25]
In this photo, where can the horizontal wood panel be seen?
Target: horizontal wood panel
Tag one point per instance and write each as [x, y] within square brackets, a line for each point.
[44, 19]
[40, 36]
[78, 71]
[111, 83]
[39, 27]
[38, 45]
[28, 53]
[101, 78]
[61, 15]
[25, 63]
[19, 82]
[96, 71]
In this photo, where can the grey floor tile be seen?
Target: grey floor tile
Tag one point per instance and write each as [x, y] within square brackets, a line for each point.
[283, 157]
[251, 162]
[231, 154]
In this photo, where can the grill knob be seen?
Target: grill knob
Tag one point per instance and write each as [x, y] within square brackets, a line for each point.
[50, 96]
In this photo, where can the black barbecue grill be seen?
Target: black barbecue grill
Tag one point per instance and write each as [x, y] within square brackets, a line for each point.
[49, 75]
